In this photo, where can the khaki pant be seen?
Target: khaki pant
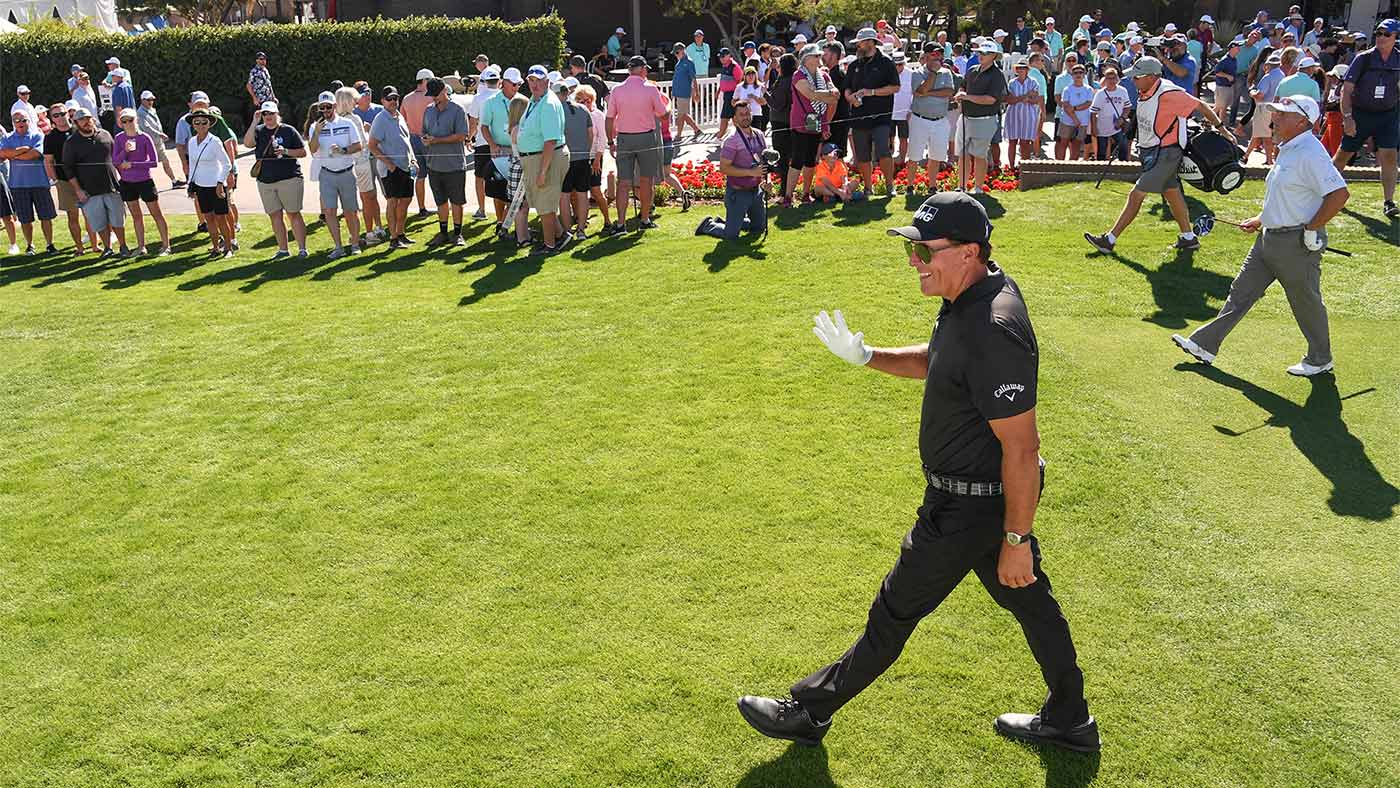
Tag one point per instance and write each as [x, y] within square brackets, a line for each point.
[544, 199]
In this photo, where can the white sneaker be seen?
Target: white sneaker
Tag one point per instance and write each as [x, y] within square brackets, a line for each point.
[14, 248]
[1194, 350]
[1305, 370]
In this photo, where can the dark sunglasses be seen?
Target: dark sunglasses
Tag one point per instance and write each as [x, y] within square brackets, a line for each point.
[199, 123]
[924, 253]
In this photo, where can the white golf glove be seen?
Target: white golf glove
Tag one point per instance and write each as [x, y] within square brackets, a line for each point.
[839, 339]
[1314, 241]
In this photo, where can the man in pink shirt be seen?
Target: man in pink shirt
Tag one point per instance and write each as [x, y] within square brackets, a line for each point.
[633, 110]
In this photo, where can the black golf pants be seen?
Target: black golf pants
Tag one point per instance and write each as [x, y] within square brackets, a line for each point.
[953, 535]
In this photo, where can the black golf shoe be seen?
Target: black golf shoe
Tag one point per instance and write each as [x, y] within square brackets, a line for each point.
[782, 719]
[1083, 737]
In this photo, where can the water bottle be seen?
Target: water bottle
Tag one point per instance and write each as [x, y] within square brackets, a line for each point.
[413, 170]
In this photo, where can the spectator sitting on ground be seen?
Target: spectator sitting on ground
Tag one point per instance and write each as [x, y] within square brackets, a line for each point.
[832, 180]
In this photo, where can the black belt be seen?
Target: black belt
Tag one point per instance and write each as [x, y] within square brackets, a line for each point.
[925, 117]
[634, 133]
[337, 172]
[535, 153]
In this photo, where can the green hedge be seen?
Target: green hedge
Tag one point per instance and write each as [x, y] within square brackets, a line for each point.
[303, 58]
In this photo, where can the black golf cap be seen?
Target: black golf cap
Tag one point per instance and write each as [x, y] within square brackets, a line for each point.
[932, 46]
[637, 61]
[952, 215]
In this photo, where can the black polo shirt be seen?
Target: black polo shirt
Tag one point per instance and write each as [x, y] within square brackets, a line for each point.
[871, 73]
[837, 77]
[980, 81]
[982, 365]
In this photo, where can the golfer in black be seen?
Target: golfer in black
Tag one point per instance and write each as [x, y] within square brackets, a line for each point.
[980, 452]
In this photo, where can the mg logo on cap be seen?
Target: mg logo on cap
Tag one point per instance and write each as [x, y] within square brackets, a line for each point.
[925, 213]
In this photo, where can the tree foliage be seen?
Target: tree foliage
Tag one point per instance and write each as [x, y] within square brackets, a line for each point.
[738, 20]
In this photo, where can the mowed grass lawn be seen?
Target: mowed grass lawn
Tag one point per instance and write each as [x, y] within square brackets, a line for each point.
[475, 518]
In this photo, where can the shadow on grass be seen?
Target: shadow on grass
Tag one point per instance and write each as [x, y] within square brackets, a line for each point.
[1181, 290]
[1387, 230]
[258, 273]
[1065, 769]
[794, 217]
[1318, 431]
[870, 210]
[747, 246]
[797, 766]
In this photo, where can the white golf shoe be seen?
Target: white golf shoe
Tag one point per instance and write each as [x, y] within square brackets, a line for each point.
[1193, 350]
[1305, 370]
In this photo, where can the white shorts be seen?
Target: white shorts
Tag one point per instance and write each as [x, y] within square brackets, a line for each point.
[928, 139]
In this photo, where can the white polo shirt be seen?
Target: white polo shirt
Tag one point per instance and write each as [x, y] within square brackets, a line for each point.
[1302, 175]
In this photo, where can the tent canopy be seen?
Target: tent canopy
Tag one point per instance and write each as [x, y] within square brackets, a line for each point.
[103, 13]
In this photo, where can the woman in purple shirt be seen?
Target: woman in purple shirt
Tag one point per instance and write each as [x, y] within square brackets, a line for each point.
[134, 156]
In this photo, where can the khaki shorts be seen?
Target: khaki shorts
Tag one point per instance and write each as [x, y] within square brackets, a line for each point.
[67, 198]
[1071, 133]
[544, 200]
[682, 106]
[1260, 126]
[284, 195]
[364, 175]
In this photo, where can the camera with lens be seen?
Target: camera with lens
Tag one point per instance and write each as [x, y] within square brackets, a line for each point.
[768, 159]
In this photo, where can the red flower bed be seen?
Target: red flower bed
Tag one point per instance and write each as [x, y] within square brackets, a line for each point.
[704, 181]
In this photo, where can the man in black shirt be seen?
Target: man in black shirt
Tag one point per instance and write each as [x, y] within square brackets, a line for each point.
[53, 162]
[579, 70]
[87, 159]
[832, 52]
[871, 82]
[980, 451]
[981, 99]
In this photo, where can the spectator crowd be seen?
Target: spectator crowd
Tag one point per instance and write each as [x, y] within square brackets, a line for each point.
[807, 118]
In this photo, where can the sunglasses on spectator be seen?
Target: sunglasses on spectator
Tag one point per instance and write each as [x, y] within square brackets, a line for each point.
[199, 123]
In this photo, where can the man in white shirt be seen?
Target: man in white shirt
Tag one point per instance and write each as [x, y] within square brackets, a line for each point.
[1303, 191]
[488, 86]
[902, 101]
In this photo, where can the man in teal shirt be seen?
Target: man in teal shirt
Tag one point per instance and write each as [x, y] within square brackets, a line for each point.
[495, 114]
[1053, 40]
[543, 157]
[699, 54]
[615, 43]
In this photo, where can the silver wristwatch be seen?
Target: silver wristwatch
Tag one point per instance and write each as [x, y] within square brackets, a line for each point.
[1015, 540]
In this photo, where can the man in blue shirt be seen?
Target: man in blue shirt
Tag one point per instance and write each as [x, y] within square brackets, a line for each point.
[615, 44]
[123, 97]
[1181, 69]
[544, 159]
[682, 88]
[1370, 105]
[23, 148]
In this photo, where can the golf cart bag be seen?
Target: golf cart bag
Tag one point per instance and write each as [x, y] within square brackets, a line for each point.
[1211, 161]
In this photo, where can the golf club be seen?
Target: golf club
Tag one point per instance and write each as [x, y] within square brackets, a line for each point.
[1205, 223]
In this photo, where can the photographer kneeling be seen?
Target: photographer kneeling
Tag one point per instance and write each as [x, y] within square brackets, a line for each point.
[745, 190]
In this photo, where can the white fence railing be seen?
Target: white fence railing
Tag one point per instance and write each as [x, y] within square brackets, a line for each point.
[704, 100]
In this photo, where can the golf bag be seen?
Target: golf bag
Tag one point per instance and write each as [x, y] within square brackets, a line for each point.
[1211, 161]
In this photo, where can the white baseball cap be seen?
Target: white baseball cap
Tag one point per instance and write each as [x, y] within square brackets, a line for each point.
[1301, 105]
[326, 97]
[987, 48]
[619, 30]
[830, 29]
[146, 94]
[425, 73]
[999, 33]
[269, 106]
[112, 61]
[1049, 20]
[21, 89]
[491, 74]
[800, 39]
[1135, 40]
[513, 76]
[555, 76]
[571, 82]
[127, 112]
[1206, 18]
[1133, 26]
[1170, 28]
[1306, 62]
[199, 95]
[1086, 18]
[698, 32]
